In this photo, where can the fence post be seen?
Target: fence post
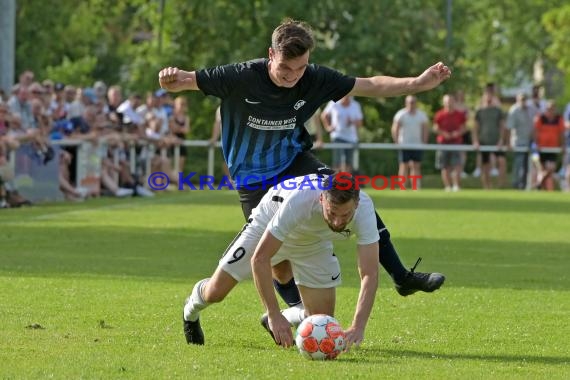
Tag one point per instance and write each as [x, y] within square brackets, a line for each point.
[211, 160]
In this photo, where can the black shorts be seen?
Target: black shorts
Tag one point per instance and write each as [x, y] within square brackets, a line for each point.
[551, 157]
[410, 155]
[305, 163]
[486, 156]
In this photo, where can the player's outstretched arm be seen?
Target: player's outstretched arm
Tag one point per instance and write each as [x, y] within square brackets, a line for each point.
[175, 80]
[386, 86]
[368, 269]
[263, 278]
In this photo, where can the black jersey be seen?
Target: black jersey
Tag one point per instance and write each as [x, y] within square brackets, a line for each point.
[263, 124]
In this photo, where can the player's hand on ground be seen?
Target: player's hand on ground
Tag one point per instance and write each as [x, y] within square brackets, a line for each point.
[281, 330]
[433, 76]
[354, 337]
[173, 79]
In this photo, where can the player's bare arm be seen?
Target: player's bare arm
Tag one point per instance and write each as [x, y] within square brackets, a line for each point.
[385, 86]
[368, 269]
[175, 80]
[263, 278]
[395, 131]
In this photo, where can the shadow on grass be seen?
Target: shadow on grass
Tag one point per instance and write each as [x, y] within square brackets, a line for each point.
[178, 254]
[484, 204]
[382, 353]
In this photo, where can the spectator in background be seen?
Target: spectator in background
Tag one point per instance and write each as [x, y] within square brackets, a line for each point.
[20, 107]
[84, 98]
[128, 111]
[490, 91]
[36, 91]
[124, 125]
[69, 94]
[58, 110]
[114, 100]
[489, 129]
[100, 89]
[461, 106]
[536, 101]
[9, 196]
[410, 126]
[549, 131]
[180, 127]
[342, 120]
[157, 132]
[315, 129]
[26, 78]
[5, 119]
[449, 126]
[47, 97]
[520, 126]
[70, 192]
[24, 126]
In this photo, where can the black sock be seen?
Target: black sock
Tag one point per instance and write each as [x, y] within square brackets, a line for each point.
[388, 256]
[288, 292]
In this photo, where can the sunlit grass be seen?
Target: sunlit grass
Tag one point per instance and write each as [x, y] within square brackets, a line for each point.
[95, 290]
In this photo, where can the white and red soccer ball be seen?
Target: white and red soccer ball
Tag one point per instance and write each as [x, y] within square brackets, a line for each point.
[320, 337]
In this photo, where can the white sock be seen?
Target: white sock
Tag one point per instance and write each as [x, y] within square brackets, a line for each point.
[294, 315]
[195, 303]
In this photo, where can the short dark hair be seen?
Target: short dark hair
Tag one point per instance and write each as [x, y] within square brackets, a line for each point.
[340, 188]
[292, 38]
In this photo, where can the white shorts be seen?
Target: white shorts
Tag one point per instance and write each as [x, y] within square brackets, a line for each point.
[313, 267]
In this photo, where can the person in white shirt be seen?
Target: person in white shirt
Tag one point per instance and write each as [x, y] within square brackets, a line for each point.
[410, 126]
[128, 110]
[297, 220]
[342, 120]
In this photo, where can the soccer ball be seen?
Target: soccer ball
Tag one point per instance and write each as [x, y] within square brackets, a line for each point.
[320, 337]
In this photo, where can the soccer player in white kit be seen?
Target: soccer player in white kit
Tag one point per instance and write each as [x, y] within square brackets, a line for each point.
[297, 220]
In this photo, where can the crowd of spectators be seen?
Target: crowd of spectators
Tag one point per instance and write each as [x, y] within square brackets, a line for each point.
[35, 115]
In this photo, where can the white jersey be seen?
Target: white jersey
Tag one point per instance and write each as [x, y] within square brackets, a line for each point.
[296, 217]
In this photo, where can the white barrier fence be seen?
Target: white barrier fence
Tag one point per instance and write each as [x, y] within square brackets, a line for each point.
[363, 146]
[89, 158]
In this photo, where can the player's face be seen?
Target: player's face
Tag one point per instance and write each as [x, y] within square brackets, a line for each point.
[337, 216]
[286, 72]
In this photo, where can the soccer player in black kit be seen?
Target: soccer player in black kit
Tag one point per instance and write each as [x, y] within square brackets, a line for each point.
[265, 103]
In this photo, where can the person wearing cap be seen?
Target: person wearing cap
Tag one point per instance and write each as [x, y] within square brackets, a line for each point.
[84, 98]
[100, 89]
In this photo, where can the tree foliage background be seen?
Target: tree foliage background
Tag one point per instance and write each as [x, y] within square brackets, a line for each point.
[129, 41]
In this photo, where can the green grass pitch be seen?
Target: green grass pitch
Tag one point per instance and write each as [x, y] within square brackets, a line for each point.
[95, 290]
